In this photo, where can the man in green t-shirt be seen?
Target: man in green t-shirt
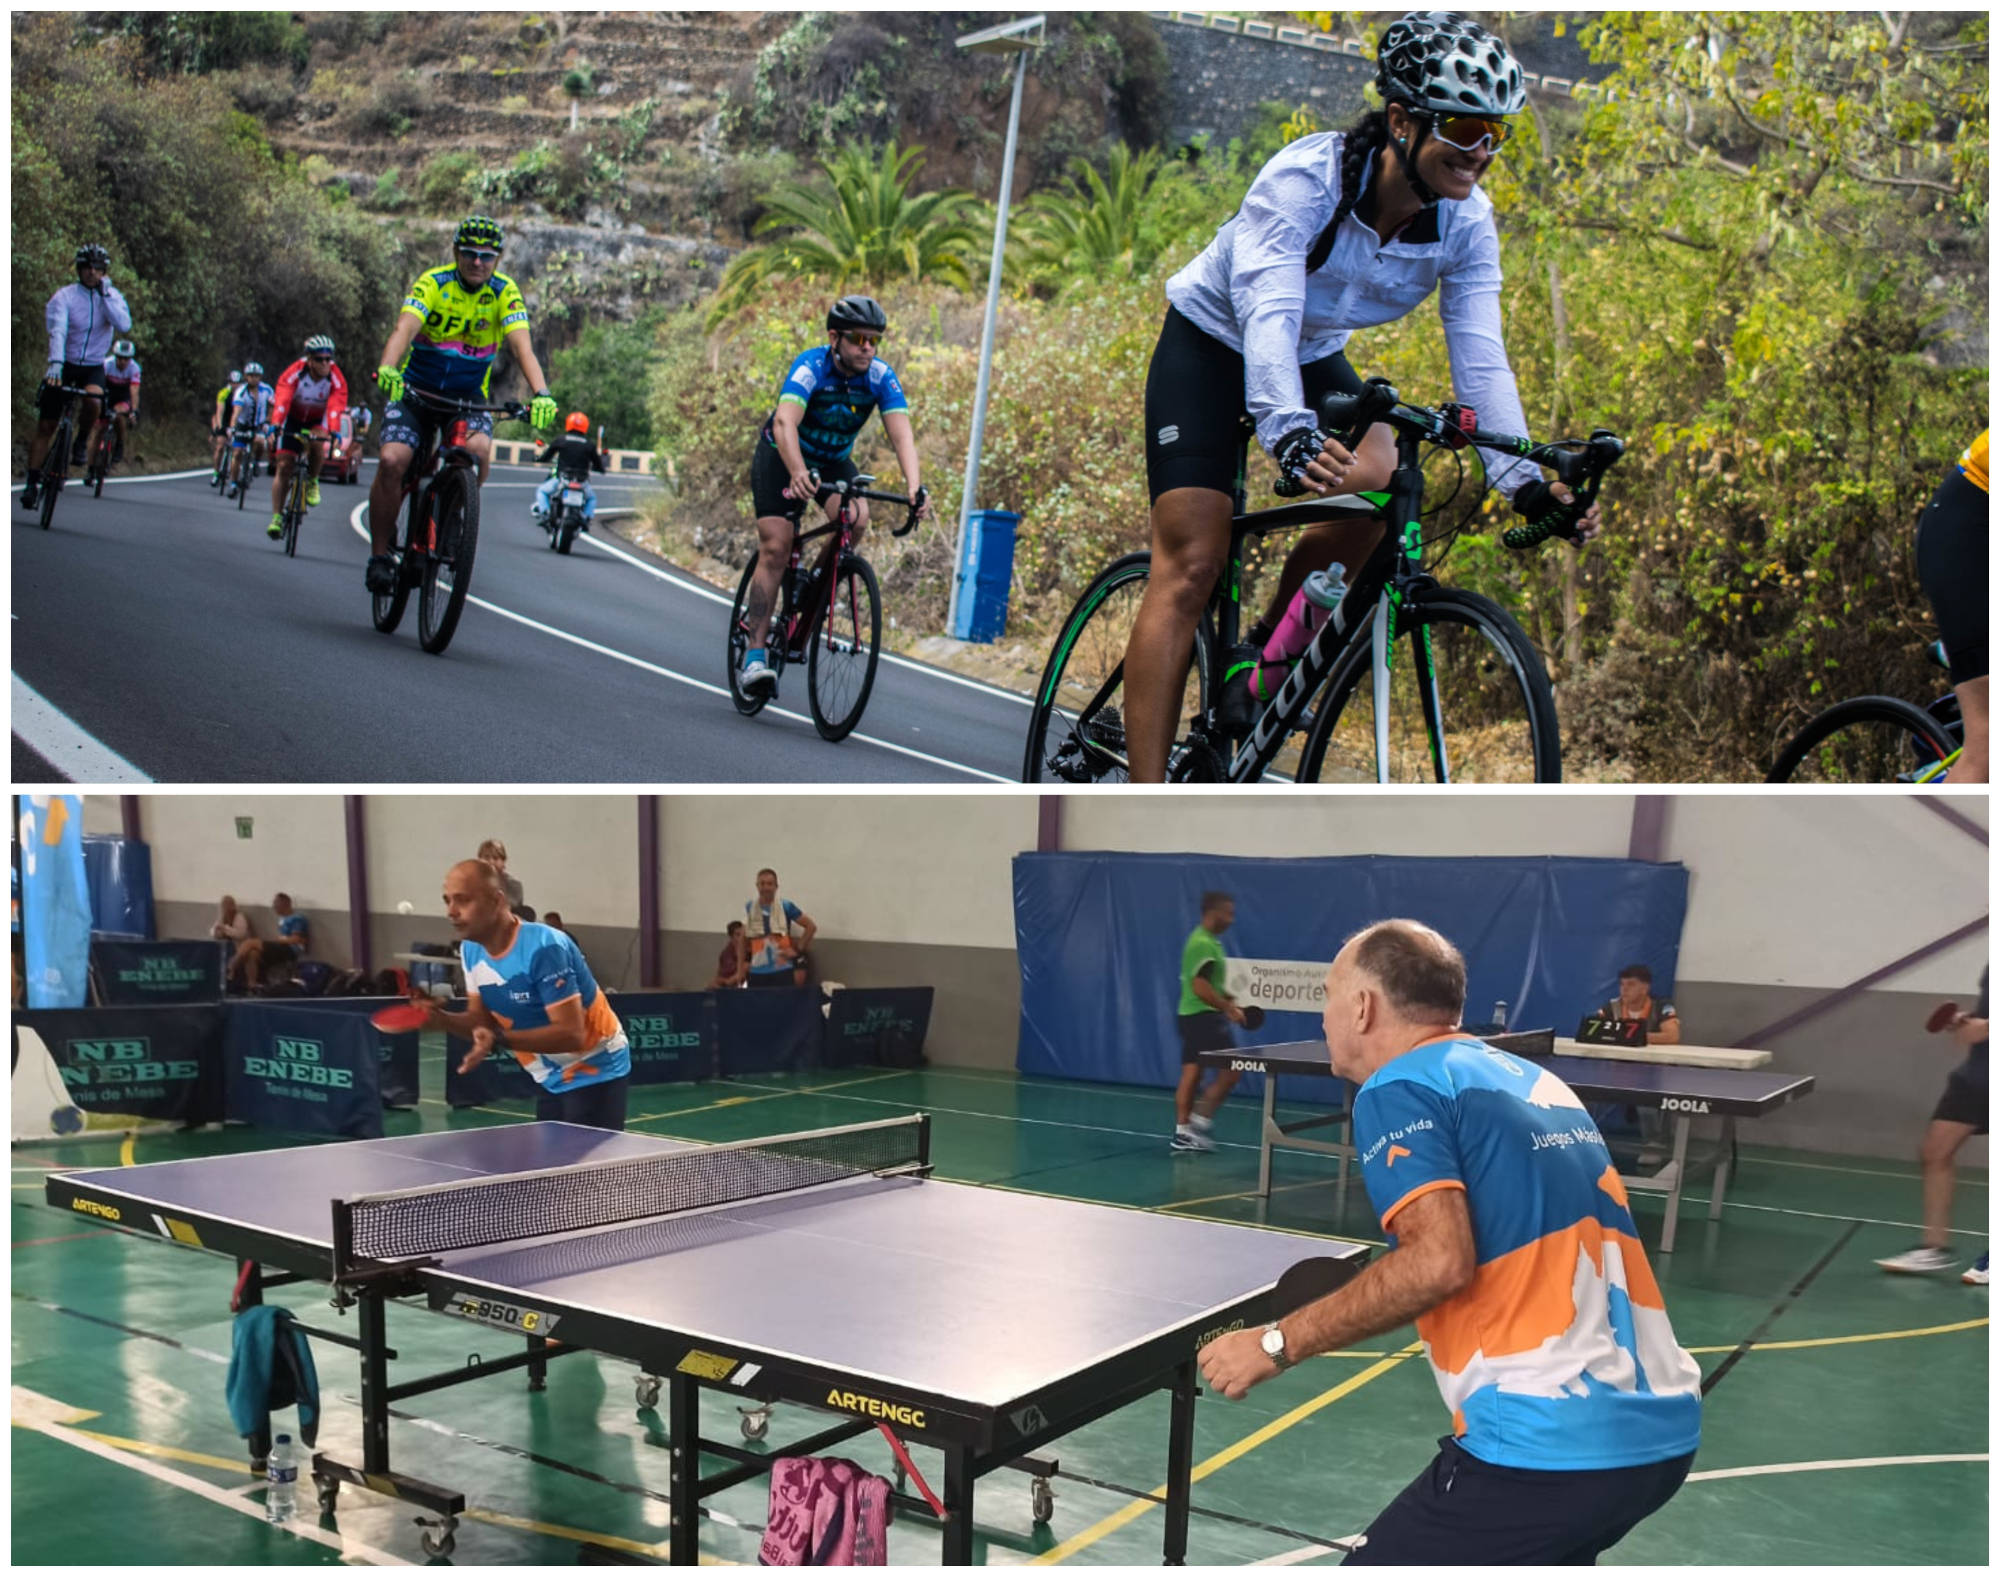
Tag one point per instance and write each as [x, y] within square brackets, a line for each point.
[1206, 1012]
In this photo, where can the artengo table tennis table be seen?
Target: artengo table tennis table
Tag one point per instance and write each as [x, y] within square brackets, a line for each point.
[822, 1268]
[1682, 1093]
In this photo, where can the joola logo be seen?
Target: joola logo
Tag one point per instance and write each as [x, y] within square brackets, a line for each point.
[875, 1407]
[1676, 1104]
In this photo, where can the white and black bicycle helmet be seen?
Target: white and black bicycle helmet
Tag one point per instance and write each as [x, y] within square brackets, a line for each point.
[123, 348]
[253, 367]
[320, 345]
[1440, 62]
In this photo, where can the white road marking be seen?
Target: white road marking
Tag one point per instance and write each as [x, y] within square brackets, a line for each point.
[64, 743]
[679, 678]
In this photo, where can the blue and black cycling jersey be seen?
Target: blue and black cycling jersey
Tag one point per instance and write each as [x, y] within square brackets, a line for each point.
[835, 408]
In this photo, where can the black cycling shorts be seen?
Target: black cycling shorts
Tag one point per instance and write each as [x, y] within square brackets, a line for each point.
[288, 440]
[78, 375]
[1965, 1098]
[769, 479]
[1951, 564]
[1196, 417]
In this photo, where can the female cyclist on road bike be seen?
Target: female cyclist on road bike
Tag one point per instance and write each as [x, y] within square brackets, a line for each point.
[1339, 231]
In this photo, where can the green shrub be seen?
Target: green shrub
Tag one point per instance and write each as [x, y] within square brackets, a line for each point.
[389, 195]
[446, 181]
[199, 41]
[602, 374]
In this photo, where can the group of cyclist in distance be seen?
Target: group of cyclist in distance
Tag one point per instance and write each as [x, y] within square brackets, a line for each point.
[1340, 231]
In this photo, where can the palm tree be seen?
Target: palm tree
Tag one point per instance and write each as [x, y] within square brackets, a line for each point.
[1100, 225]
[858, 228]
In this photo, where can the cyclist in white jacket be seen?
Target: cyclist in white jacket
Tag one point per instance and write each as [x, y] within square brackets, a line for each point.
[83, 321]
[1339, 231]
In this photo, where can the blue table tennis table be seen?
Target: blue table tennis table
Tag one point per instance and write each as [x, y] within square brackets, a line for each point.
[825, 1268]
[1681, 1093]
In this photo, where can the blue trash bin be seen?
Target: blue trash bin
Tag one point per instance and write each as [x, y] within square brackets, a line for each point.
[987, 575]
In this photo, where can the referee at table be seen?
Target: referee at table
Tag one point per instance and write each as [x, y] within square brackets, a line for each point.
[530, 993]
[1575, 1413]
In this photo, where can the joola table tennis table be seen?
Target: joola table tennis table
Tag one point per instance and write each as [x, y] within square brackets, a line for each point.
[824, 1268]
[1682, 1093]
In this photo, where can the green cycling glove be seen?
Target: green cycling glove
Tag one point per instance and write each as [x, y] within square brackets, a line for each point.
[542, 413]
[390, 381]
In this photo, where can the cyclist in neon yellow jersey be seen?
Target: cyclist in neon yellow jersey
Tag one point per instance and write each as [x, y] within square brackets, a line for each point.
[447, 341]
[1951, 564]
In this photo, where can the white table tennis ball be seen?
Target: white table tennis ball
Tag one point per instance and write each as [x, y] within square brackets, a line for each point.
[406, 907]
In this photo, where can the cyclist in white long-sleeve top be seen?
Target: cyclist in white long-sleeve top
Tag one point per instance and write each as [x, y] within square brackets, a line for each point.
[1339, 231]
[84, 319]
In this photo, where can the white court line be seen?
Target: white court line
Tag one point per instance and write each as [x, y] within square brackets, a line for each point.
[699, 684]
[1309, 1552]
[1831, 1466]
[64, 743]
[298, 1527]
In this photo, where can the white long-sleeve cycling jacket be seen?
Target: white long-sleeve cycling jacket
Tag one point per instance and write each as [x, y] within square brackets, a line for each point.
[1250, 290]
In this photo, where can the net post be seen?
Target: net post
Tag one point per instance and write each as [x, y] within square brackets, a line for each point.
[924, 1142]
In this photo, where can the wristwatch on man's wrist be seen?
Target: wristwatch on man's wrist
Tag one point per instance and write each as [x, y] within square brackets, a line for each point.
[1273, 1343]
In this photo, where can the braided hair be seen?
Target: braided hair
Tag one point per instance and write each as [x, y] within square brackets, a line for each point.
[1359, 144]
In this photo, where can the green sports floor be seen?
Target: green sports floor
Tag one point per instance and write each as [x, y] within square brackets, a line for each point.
[1845, 1423]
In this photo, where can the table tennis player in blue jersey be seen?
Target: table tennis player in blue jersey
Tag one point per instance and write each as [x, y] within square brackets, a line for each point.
[531, 994]
[1575, 1413]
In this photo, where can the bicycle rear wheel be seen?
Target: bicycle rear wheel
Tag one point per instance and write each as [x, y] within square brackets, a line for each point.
[243, 469]
[53, 474]
[840, 667]
[388, 606]
[739, 642]
[1076, 732]
[1869, 739]
[1468, 701]
[295, 514]
[448, 569]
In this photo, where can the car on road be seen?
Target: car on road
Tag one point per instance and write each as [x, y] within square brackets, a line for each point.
[343, 461]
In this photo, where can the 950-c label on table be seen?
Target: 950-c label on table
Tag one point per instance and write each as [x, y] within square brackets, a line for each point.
[502, 1316]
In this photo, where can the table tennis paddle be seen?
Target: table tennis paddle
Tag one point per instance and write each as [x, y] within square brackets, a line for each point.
[400, 1016]
[1943, 1016]
[1310, 1280]
[1253, 1018]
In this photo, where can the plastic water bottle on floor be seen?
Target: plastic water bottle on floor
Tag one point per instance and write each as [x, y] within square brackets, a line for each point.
[1312, 605]
[1499, 1016]
[281, 1497]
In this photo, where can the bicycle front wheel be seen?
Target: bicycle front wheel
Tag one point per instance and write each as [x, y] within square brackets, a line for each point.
[1467, 701]
[840, 663]
[448, 569]
[52, 481]
[1870, 739]
[1076, 732]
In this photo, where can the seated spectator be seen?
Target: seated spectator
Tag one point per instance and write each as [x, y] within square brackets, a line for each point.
[494, 853]
[553, 920]
[231, 923]
[729, 962]
[1635, 1000]
[254, 957]
[523, 911]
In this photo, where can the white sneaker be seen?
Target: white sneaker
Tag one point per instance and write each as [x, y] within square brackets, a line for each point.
[1189, 1139]
[1920, 1262]
[1976, 1275]
[756, 676]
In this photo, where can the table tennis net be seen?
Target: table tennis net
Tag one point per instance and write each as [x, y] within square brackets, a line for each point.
[1524, 1043]
[421, 1222]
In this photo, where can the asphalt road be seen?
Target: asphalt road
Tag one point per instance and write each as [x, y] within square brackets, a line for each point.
[157, 630]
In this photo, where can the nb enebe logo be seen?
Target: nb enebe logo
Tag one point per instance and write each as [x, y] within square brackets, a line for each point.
[875, 1407]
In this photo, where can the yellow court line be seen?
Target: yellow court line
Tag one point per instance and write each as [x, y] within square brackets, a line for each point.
[147, 1448]
[128, 1149]
[1843, 1341]
[1133, 1510]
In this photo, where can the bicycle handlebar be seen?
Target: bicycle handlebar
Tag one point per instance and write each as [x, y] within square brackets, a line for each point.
[858, 487]
[444, 402]
[1454, 426]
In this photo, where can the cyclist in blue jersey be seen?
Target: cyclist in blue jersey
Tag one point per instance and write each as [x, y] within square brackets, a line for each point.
[250, 408]
[828, 394]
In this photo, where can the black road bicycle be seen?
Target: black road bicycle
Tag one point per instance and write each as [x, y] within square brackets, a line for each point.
[1366, 714]
[293, 511]
[1875, 739]
[56, 463]
[828, 617]
[441, 524]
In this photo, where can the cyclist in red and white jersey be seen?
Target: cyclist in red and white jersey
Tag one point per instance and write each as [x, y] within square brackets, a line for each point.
[121, 393]
[309, 402]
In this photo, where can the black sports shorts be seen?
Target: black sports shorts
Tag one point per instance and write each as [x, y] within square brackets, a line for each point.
[1965, 1098]
[1951, 563]
[1203, 1032]
[78, 375]
[769, 479]
[1196, 417]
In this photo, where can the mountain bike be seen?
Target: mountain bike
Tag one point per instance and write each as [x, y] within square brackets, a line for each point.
[1875, 739]
[828, 617]
[55, 464]
[441, 523]
[1365, 715]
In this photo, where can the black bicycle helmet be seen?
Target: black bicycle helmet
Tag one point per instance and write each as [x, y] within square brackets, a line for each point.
[857, 314]
[1439, 61]
[479, 231]
[92, 256]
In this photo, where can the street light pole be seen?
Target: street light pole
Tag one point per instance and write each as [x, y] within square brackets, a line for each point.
[1016, 38]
